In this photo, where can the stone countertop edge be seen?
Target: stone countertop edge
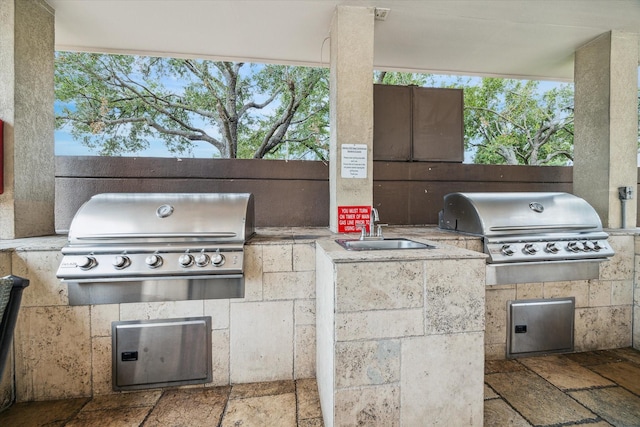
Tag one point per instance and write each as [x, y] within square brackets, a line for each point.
[263, 235]
[279, 235]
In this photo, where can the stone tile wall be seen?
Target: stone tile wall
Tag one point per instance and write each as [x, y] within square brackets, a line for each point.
[407, 336]
[64, 351]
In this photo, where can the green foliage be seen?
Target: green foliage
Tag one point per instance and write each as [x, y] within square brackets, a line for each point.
[115, 104]
[512, 122]
[403, 79]
[303, 113]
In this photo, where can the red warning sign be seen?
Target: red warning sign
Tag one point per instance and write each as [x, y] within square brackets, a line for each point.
[349, 217]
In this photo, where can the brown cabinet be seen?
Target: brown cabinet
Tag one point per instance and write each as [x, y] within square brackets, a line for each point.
[417, 124]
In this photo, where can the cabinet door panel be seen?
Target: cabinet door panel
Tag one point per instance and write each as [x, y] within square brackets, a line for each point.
[391, 122]
[438, 125]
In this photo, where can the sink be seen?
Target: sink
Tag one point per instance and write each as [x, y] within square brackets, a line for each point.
[383, 244]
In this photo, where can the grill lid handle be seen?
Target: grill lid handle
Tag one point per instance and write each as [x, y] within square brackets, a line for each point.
[155, 235]
[543, 227]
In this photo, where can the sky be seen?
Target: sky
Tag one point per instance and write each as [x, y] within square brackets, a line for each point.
[65, 145]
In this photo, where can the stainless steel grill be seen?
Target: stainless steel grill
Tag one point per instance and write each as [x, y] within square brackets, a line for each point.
[157, 247]
[531, 237]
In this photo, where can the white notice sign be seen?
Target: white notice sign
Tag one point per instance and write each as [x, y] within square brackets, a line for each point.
[354, 161]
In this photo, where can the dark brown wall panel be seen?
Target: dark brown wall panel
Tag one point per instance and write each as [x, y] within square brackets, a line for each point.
[295, 193]
[396, 171]
[149, 167]
[283, 203]
[416, 202]
[416, 123]
[438, 125]
[391, 122]
[286, 193]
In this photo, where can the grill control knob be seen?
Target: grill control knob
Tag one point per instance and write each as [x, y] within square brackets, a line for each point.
[575, 246]
[507, 250]
[87, 262]
[121, 261]
[552, 248]
[153, 261]
[217, 260]
[589, 245]
[596, 245]
[186, 260]
[530, 248]
[202, 260]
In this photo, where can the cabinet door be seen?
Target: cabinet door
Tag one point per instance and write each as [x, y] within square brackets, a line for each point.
[391, 122]
[438, 125]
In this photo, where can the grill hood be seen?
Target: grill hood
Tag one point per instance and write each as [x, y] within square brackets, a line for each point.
[134, 247]
[504, 214]
[531, 237]
[124, 218]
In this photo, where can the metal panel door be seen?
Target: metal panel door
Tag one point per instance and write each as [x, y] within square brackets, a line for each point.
[540, 326]
[161, 353]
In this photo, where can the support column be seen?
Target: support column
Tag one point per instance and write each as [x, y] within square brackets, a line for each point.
[606, 125]
[351, 105]
[26, 108]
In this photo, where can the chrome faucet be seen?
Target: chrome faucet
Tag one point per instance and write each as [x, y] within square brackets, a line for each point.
[373, 224]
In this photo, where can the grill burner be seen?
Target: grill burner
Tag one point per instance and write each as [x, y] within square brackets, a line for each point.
[157, 247]
[541, 236]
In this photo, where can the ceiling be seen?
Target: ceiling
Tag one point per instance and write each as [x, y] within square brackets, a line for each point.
[516, 38]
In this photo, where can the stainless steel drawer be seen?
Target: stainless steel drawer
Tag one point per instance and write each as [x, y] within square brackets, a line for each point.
[540, 326]
[160, 353]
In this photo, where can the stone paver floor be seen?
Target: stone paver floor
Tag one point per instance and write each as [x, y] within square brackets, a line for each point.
[279, 403]
[595, 389]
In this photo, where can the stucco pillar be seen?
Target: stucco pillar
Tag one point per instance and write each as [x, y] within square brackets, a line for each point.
[351, 107]
[606, 125]
[26, 108]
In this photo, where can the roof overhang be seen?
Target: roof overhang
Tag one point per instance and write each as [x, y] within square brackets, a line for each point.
[516, 38]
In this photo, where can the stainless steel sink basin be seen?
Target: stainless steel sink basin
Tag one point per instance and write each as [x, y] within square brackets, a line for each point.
[383, 244]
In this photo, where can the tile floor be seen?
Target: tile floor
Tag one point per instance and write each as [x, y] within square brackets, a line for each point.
[280, 403]
[595, 389]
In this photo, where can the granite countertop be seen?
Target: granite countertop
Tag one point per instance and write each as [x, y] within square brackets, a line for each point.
[310, 234]
[278, 235]
[264, 235]
[44, 243]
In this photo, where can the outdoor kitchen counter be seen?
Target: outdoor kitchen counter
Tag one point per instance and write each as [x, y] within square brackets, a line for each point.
[277, 235]
[400, 332]
[46, 243]
[427, 234]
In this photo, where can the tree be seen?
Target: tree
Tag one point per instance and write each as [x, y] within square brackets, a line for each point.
[301, 124]
[402, 79]
[511, 122]
[116, 103]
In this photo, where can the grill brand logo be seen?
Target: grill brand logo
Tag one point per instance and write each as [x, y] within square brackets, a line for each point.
[164, 211]
[536, 207]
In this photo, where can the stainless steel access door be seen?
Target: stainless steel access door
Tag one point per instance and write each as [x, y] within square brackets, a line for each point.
[160, 353]
[540, 326]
